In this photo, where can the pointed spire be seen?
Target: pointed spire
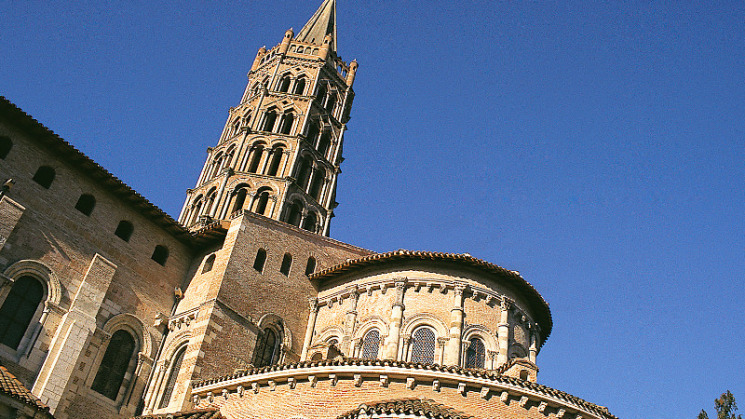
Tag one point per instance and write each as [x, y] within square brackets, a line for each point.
[321, 24]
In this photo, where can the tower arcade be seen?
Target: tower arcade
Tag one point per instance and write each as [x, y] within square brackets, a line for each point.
[280, 151]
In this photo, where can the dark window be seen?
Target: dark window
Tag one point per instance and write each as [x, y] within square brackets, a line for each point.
[5, 146]
[316, 186]
[18, 310]
[114, 364]
[310, 223]
[208, 264]
[240, 199]
[321, 95]
[276, 160]
[370, 345]
[317, 357]
[256, 153]
[303, 172]
[286, 264]
[172, 377]
[260, 259]
[85, 204]
[299, 86]
[475, 354]
[311, 266]
[160, 254]
[261, 202]
[323, 145]
[284, 84]
[266, 349]
[330, 103]
[286, 125]
[124, 230]
[312, 133]
[269, 120]
[44, 176]
[423, 346]
[295, 214]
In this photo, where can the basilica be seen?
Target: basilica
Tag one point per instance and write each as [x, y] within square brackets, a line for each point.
[244, 307]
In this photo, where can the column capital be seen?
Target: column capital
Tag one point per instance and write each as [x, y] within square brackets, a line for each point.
[507, 303]
[460, 289]
[313, 304]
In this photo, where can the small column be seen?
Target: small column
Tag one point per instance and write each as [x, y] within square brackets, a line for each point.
[452, 354]
[218, 200]
[350, 323]
[397, 315]
[535, 332]
[313, 305]
[503, 331]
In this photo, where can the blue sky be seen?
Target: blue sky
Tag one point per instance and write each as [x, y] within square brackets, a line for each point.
[596, 147]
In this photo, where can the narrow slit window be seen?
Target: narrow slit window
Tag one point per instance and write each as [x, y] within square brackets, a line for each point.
[208, 264]
[286, 264]
[311, 266]
[260, 260]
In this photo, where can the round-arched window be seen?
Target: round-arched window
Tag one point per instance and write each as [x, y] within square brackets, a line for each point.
[370, 345]
[423, 346]
[475, 354]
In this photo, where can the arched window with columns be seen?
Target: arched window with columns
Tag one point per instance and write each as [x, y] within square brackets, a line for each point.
[299, 86]
[269, 120]
[324, 143]
[210, 200]
[277, 154]
[316, 185]
[173, 372]
[475, 354]
[294, 214]
[267, 348]
[239, 199]
[303, 173]
[284, 83]
[285, 126]
[196, 209]
[114, 365]
[255, 157]
[18, 309]
[370, 345]
[262, 201]
[423, 345]
[311, 222]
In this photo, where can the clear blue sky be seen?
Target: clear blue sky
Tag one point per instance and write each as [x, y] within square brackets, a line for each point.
[596, 147]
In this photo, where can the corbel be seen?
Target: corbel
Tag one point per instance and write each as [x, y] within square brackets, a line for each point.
[523, 401]
[410, 383]
[333, 379]
[542, 407]
[313, 380]
[504, 397]
[436, 385]
[292, 382]
[358, 380]
[384, 381]
[462, 388]
[255, 387]
[484, 392]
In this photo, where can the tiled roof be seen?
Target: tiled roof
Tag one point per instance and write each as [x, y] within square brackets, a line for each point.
[536, 301]
[10, 386]
[420, 407]
[476, 373]
[192, 414]
[67, 152]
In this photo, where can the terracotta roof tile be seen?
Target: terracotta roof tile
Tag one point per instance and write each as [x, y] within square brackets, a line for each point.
[9, 385]
[191, 414]
[420, 407]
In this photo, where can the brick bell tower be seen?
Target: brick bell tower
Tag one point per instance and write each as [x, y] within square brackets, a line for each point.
[280, 150]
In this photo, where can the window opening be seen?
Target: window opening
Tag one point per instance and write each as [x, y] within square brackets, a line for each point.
[256, 153]
[304, 172]
[269, 120]
[370, 345]
[114, 364]
[208, 264]
[284, 84]
[312, 133]
[286, 125]
[261, 203]
[18, 310]
[423, 346]
[299, 87]
[240, 199]
[294, 214]
[286, 264]
[475, 354]
[266, 349]
[323, 145]
[172, 377]
[85, 204]
[310, 223]
[160, 254]
[316, 185]
[310, 267]
[276, 160]
[260, 259]
[44, 176]
[5, 145]
[124, 230]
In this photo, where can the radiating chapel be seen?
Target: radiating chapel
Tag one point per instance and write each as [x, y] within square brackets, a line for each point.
[244, 307]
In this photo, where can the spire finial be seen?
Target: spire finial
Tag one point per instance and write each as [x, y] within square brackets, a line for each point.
[321, 24]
